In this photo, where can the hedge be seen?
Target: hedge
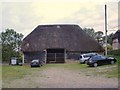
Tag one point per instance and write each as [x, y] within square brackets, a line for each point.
[114, 52]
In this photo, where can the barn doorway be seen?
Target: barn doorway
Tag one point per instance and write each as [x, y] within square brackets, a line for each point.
[55, 55]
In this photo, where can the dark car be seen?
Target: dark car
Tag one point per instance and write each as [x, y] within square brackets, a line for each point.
[36, 63]
[100, 60]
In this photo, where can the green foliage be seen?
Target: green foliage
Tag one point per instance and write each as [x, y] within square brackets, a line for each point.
[114, 52]
[11, 43]
[109, 38]
[109, 47]
[0, 52]
[98, 35]
[90, 32]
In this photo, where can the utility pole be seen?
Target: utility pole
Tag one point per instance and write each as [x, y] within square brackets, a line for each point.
[106, 30]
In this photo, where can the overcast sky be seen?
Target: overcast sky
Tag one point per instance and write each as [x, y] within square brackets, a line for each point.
[23, 16]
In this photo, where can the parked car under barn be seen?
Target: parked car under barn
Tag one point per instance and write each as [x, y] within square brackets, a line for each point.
[36, 63]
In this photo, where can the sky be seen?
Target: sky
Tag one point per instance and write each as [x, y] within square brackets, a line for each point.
[24, 16]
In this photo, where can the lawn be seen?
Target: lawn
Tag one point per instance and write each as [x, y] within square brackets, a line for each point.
[16, 72]
[0, 72]
[51, 74]
[118, 65]
[109, 71]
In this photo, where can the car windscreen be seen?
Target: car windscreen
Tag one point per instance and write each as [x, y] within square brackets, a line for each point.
[98, 57]
[86, 56]
[103, 57]
[89, 55]
[35, 60]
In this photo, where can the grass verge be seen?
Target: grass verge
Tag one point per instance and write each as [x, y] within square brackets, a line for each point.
[17, 72]
[14, 72]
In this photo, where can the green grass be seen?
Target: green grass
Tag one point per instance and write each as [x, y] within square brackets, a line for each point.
[118, 64]
[113, 71]
[0, 73]
[109, 71]
[17, 72]
[14, 71]
[71, 66]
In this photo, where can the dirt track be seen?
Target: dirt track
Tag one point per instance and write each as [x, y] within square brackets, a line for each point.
[58, 77]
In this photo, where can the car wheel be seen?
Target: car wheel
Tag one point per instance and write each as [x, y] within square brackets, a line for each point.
[112, 62]
[95, 64]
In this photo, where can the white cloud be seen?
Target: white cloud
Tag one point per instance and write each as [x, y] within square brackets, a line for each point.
[25, 16]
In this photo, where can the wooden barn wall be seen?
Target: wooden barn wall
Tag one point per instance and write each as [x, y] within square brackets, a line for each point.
[28, 56]
[71, 55]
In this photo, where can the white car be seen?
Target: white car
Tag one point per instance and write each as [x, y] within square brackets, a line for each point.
[84, 57]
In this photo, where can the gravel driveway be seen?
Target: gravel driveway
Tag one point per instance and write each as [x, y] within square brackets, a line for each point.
[59, 77]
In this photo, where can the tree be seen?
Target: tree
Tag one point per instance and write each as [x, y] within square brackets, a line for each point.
[0, 52]
[109, 38]
[90, 32]
[11, 43]
[99, 36]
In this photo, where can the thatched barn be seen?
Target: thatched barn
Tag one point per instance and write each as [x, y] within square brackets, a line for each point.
[54, 43]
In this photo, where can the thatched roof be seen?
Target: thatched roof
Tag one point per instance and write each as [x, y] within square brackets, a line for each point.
[69, 37]
[117, 36]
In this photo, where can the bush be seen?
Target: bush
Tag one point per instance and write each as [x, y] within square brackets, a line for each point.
[114, 52]
[109, 47]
